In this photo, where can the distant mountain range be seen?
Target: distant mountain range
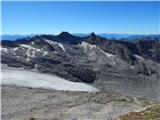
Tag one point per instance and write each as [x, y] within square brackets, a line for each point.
[15, 36]
[120, 36]
[105, 35]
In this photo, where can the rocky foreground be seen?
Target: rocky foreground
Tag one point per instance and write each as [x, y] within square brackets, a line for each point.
[26, 103]
[151, 113]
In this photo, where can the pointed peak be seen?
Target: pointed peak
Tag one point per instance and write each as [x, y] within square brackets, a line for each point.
[92, 34]
[64, 33]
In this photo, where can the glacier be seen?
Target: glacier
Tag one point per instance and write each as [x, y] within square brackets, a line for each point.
[22, 77]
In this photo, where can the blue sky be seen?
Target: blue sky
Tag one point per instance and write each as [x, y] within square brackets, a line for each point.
[80, 17]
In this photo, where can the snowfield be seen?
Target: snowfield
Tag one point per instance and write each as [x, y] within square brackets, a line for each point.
[22, 77]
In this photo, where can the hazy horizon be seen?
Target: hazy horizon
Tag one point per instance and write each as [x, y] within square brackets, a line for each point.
[78, 33]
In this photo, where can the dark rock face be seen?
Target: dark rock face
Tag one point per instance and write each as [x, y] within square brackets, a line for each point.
[107, 64]
[9, 43]
[149, 49]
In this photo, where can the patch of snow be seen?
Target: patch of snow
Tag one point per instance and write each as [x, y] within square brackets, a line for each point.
[86, 46]
[33, 51]
[30, 47]
[55, 43]
[16, 48]
[45, 53]
[27, 55]
[26, 46]
[107, 54]
[28, 51]
[33, 54]
[3, 49]
[55, 52]
[139, 57]
[32, 43]
[61, 46]
[50, 42]
[34, 79]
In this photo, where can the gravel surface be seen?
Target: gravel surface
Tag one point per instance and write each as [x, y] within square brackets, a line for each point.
[26, 103]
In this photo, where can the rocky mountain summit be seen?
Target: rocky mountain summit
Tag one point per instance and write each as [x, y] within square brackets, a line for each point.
[116, 65]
